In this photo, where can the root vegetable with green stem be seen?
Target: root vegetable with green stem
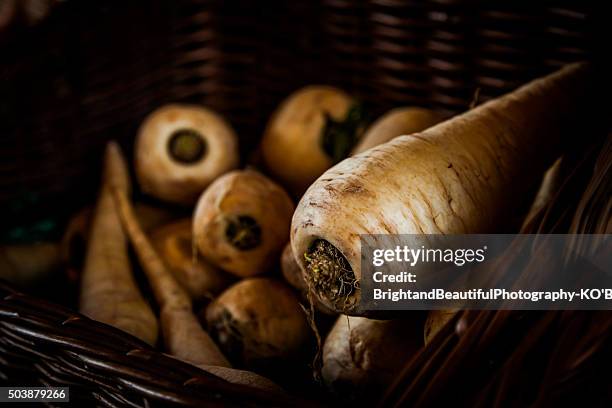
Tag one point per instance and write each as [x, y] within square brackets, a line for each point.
[311, 130]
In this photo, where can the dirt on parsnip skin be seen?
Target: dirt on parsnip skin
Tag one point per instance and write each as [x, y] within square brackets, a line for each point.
[362, 356]
[258, 319]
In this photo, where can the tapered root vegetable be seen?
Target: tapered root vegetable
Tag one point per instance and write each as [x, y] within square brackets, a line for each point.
[436, 320]
[181, 149]
[311, 130]
[76, 234]
[241, 222]
[243, 377]
[396, 122]
[173, 243]
[461, 176]
[258, 320]
[361, 357]
[550, 184]
[182, 333]
[293, 275]
[108, 291]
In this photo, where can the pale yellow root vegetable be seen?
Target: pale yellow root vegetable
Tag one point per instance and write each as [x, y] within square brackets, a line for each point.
[241, 222]
[183, 336]
[460, 176]
[173, 242]
[307, 132]
[258, 319]
[396, 122]
[293, 275]
[76, 234]
[243, 377]
[181, 149]
[550, 184]
[436, 320]
[109, 293]
[27, 264]
[361, 357]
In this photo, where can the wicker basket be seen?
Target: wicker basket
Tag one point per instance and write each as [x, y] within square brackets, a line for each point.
[93, 70]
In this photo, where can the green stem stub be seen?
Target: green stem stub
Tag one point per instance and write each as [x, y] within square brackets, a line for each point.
[187, 146]
[243, 232]
[339, 137]
[330, 274]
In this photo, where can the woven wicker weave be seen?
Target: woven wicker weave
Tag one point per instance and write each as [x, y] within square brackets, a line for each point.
[45, 344]
[93, 70]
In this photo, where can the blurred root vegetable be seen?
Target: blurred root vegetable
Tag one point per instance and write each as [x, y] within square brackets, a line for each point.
[311, 130]
[243, 377]
[258, 320]
[361, 357]
[183, 335]
[436, 320]
[76, 234]
[293, 275]
[460, 176]
[550, 185]
[27, 264]
[241, 222]
[181, 149]
[396, 122]
[174, 244]
[8, 11]
[108, 291]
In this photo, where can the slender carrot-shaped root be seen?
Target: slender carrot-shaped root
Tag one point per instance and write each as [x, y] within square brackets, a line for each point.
[108, 291]
[182, 333]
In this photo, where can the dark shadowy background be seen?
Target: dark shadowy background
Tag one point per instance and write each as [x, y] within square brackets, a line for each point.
[91, 71]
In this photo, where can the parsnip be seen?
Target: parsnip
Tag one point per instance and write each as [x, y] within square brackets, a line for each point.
[258, 319]
[182, 333]
[361, 357]
[436, 319]
[173, 242]
[180, 149]
[312, 129]
[108, 291]
[241, 222]
[460, 176]
[396, 122]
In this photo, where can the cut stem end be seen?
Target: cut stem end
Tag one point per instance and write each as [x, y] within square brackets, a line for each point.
[187, 146]
[243, 232]
[330, 275]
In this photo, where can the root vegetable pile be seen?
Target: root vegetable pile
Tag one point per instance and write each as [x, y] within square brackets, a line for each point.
[241, 222]
[180, 149]
[244, 237]
[182, 333]
[458, 177]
